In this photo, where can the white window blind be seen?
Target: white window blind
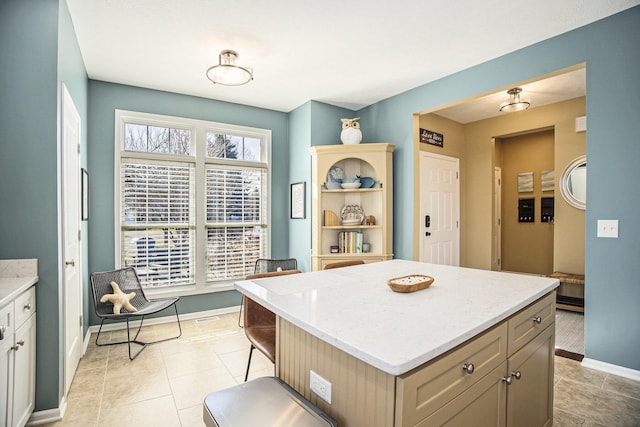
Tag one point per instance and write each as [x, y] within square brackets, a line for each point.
[157, 221]
[192, 200]
[236, 220]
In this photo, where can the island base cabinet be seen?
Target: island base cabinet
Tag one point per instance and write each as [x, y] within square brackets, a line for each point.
[482, 404]
[530, 392]
[482, 382]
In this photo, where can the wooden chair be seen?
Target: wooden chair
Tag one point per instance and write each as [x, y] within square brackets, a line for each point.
[266, 265]
[260, 323]
[343, 264]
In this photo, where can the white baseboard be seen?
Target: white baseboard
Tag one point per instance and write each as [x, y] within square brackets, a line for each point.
[56, 414]
[621, 371]
[158, 321]
[49, 415]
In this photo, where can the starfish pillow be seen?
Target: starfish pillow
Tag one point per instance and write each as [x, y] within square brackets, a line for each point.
[119, 299]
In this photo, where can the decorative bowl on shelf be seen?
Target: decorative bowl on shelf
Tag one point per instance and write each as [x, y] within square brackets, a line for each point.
[351, 215]
[367, 182]
[410, 283]
[350, 185]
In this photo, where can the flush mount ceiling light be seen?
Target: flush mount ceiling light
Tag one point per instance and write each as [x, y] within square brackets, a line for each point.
[516, 101]
[227, 72]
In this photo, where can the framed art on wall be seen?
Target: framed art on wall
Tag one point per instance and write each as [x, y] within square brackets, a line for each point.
[298, 200]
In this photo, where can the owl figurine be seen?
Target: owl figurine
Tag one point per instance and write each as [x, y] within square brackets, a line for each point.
[351, 133]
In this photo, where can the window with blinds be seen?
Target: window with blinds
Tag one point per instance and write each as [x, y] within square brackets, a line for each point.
[165, 217]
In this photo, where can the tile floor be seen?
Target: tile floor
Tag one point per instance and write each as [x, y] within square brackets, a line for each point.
[166, 384]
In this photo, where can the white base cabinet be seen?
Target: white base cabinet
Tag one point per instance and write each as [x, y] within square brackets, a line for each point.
[18, 359]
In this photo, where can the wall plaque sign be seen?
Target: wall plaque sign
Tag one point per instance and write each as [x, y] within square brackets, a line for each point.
[431, 137]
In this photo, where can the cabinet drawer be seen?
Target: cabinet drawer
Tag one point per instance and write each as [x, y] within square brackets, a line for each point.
[483, 404]
[526, 324]
[6, 322]
[25, 306]
[422, 391]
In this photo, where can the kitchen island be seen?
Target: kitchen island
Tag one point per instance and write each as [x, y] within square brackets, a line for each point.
[431, 356]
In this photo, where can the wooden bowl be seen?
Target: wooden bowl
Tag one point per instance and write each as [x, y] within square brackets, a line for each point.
[410, 283]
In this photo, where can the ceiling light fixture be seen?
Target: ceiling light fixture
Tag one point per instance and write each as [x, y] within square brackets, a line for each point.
[515, 102]
[227, 72]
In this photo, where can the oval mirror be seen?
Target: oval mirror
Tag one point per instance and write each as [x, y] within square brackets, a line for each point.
[573, 183]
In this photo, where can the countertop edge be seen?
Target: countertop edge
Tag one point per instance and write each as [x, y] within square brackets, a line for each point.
[11, 287]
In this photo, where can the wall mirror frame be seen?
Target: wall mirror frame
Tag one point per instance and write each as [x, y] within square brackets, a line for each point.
[573, 183]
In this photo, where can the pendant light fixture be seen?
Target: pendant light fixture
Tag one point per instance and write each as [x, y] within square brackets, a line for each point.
[515, 102]
[227, 72]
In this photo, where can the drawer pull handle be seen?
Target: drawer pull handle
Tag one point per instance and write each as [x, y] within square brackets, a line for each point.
[28, 306]
[71, 263]
[537, 319]
[516, 374]
[2, 330]
[507, 380]
[468, 368]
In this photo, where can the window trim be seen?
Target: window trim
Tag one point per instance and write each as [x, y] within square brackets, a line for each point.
[199, 129]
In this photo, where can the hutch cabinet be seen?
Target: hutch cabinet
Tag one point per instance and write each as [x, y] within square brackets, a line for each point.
[351, 223]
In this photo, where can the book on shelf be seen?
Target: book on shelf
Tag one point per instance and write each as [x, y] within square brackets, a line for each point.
[350, 242]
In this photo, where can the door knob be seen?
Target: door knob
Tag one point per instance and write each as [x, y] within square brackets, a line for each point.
[71, 263]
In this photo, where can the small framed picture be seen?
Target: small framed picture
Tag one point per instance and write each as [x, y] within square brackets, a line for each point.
[525, 182]
[298, 200]
[84, 182]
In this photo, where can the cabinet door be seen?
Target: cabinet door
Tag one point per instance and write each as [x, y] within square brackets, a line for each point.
[530, 398]
[24, 372]
[483, 404]
[6, 380]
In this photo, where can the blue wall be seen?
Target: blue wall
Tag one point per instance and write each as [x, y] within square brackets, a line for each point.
[313, 123]
[611, 51]
[28, 165]
[105, 98]
[300, 171]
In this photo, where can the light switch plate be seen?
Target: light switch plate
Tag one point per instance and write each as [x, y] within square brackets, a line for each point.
[608, 228]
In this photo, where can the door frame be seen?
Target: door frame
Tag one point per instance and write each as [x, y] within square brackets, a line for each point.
[68, 108]
[421, 155]
[496, 259]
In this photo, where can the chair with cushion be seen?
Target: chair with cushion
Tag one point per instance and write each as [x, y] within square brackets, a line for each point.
[343, 264]
[260, 323]
[107, 299]
[265, 265]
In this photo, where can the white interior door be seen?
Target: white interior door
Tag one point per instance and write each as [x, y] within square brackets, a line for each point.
[439, 209]
[72, 277]
[497, 220]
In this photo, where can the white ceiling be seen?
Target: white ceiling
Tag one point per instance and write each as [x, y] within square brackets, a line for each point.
[346, 53]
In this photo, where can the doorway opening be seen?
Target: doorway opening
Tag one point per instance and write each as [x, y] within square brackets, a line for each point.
[475, 132]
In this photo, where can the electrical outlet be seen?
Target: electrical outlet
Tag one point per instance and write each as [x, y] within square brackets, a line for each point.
[320, 386]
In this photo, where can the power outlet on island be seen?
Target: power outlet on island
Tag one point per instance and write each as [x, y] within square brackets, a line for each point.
[320, 386]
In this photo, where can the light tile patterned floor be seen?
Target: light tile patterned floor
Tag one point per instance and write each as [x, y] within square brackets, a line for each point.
[166, 384]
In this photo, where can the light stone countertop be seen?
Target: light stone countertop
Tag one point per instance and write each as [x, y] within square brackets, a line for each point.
[16, 276]
[353, 309]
